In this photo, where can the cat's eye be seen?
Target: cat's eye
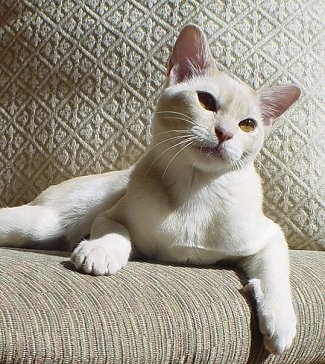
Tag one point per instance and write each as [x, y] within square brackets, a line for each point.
[207, 101]
[247, 125]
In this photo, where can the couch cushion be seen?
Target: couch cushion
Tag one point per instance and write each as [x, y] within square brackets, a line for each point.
[79, 80]
[147, 313]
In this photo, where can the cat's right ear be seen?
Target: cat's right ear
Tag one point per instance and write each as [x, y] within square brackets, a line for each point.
[191, 55]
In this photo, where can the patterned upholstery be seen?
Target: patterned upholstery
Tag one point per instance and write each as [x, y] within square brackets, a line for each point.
[79, 81]
[147, 313]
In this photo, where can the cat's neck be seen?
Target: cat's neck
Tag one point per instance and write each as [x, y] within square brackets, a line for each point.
[181, 181]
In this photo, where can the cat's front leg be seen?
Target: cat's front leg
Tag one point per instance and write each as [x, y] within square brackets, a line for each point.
[268, 272]
[107, 251]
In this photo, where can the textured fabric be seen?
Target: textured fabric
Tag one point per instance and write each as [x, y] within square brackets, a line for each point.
[147, 313]
[79, 80]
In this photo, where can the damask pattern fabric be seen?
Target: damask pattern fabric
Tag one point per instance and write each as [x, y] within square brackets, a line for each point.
[79, 81]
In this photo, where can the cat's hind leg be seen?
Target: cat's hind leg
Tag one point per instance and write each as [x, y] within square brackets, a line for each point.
[66, 210]
[29, 225]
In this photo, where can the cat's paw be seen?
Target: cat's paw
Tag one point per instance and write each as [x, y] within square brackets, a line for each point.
[277, 321]
[103, 256]
[278, 326]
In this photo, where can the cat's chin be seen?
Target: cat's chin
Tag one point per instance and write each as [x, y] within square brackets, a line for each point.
[213, 158]
[209, 152]
[209, 160]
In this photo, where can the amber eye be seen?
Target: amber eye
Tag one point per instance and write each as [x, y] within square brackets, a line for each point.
[207, 101]
[247, 125]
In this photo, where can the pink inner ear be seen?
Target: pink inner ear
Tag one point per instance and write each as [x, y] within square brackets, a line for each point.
[191, 55]
[277, 100]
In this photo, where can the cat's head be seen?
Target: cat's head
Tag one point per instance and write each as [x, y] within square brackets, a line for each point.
[206, 118]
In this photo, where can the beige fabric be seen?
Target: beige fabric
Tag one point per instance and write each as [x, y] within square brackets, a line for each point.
[147, 313]
[79, 80]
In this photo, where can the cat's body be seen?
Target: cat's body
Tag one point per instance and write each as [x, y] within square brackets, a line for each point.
[178, 220]
[194, 197]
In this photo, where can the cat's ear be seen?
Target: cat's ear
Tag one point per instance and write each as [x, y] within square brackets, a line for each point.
[191, 55]
[276, 100]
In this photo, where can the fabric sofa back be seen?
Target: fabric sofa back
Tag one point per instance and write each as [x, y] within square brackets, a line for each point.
[79, 81]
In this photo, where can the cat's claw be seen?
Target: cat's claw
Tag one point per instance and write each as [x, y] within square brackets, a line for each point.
[98, 257]
[277, 321]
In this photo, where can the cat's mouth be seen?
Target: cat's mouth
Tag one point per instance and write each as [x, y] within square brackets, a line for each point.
[209, 151]
[216, 152]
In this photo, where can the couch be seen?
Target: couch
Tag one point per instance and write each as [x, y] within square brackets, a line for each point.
[78, 85]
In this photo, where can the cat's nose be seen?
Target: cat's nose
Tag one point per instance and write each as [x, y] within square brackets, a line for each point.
[222, 134]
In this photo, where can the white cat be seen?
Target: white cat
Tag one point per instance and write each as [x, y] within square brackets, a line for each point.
[194, 196]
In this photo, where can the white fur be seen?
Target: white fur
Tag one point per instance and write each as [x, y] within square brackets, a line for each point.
[189, 199]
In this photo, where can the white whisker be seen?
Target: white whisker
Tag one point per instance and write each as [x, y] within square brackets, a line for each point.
[169, 140]
[236, 165]
[184, 117]
[181, 131]
[259, 165]
[185, 140]
[176, 113]
[189, 143]
[178, 118]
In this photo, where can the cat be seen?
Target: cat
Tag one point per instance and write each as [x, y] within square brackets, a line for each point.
[194, 197]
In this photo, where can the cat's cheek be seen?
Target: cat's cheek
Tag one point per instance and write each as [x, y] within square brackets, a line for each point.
[253, 146]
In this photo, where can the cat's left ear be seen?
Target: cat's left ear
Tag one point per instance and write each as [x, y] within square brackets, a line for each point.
[276, 100]
[191, 55]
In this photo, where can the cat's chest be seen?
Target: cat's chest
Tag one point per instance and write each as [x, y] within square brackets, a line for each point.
[201, 222]
[215, 221]
[200, 226]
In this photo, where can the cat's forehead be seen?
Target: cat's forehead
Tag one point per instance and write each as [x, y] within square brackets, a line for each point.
[232, 96]
[225, 88]
[229, 93]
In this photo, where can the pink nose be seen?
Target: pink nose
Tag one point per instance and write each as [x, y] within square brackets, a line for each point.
[222, 134]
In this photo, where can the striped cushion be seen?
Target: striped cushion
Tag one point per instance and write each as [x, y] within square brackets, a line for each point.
[147, 313]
